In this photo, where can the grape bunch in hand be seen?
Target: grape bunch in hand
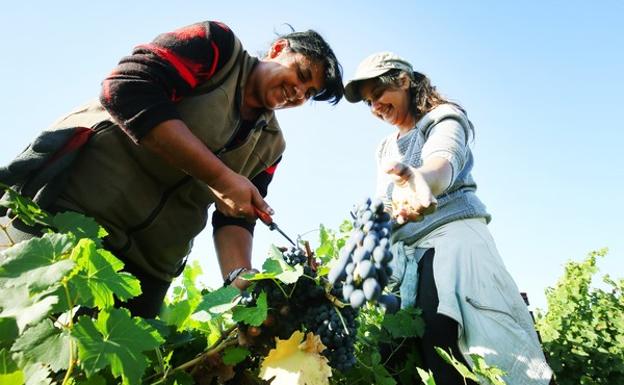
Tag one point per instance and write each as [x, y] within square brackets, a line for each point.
[363, 263]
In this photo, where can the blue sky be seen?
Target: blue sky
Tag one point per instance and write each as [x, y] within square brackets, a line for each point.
[541, 81]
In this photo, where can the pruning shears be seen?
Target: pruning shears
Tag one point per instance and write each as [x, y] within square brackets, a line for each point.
[267, 220]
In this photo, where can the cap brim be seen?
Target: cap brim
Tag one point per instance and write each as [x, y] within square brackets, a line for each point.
[352, 88]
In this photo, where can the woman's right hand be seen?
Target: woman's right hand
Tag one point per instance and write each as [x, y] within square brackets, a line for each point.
[235, 196]
[412, 198]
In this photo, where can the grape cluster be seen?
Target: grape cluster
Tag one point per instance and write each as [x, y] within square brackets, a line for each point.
[304, 305]
[295, 256]
[337, 329]
[363, 262]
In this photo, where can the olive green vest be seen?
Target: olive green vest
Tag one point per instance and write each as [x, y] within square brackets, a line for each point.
[152, 210]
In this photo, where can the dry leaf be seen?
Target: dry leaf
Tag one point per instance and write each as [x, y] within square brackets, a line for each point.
[294, 362]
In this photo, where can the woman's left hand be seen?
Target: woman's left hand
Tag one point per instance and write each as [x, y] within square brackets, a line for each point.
[412, 198]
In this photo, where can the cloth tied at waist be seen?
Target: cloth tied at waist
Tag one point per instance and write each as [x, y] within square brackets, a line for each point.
[405, 271]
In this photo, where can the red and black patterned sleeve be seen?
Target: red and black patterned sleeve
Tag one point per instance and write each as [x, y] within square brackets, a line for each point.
[142, 90]
[261, 181]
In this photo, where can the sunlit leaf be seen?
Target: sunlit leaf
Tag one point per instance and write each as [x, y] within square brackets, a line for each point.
[294, 362]
[79, 225]
[219, 301]
[33, 253]
[44, 343]
[117, 340]
[252, 315]
[25, 209]
[99, 277]
[10, 374]
[26, 309]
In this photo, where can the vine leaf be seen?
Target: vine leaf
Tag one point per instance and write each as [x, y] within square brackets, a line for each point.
[37, 374]
[99, 277]
[235, 354]
[275, 267]
[426, 376]
[404, 323]
[117, 340]
[294, 362]
[219, 301]
[8, 331]
[460, 367]
[252, 315]
[26, 309]
[34, 253]
[9, 372]
[46, 344]
[79, 225]
[27, 211]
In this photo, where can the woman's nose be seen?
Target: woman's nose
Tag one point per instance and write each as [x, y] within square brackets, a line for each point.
[375, 107]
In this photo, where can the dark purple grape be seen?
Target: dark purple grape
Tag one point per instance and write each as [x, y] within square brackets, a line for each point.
[390, 302]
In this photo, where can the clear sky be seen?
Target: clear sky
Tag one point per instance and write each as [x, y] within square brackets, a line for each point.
[541, 81]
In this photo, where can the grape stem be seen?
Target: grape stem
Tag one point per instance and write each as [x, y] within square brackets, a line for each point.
[227, 339]
[344, 325]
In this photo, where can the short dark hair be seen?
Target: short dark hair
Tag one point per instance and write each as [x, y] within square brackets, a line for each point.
[311, 44]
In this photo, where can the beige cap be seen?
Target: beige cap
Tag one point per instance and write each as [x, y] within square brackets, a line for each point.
[375, 65]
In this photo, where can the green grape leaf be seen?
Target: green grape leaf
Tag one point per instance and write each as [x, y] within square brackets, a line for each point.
[26, 309]
[346, 226]
[99, 277]
[41, 278]
[33, 253]
[220, 300]
[79, 225]
[426, 377]
[8, 331]
[253, 315]
[234, 355]
[25, 209]
[404, 323]
[176, 314]
[37, 374]
[493, 374]
[117, 340]
[459, 366]
[9, 372]
[189, 280]
[276, 268]
[44, 343]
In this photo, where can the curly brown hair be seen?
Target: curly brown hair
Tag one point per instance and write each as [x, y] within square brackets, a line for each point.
[424, 96]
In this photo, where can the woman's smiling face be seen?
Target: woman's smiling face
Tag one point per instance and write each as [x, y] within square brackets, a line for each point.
[389, 103]
[288, 78]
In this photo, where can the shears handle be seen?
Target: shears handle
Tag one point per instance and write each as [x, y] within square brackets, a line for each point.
[264, 217]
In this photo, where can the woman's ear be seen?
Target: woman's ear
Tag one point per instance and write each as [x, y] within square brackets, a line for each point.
[278, 47]
[406, 81]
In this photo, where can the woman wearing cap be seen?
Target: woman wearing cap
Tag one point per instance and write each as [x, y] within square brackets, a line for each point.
[445, 259]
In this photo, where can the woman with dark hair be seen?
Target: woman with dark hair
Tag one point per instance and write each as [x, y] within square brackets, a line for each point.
[445, 260]
[185, 121]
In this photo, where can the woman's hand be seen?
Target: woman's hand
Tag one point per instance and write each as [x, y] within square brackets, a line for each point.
[412, 197]
[235, 196]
